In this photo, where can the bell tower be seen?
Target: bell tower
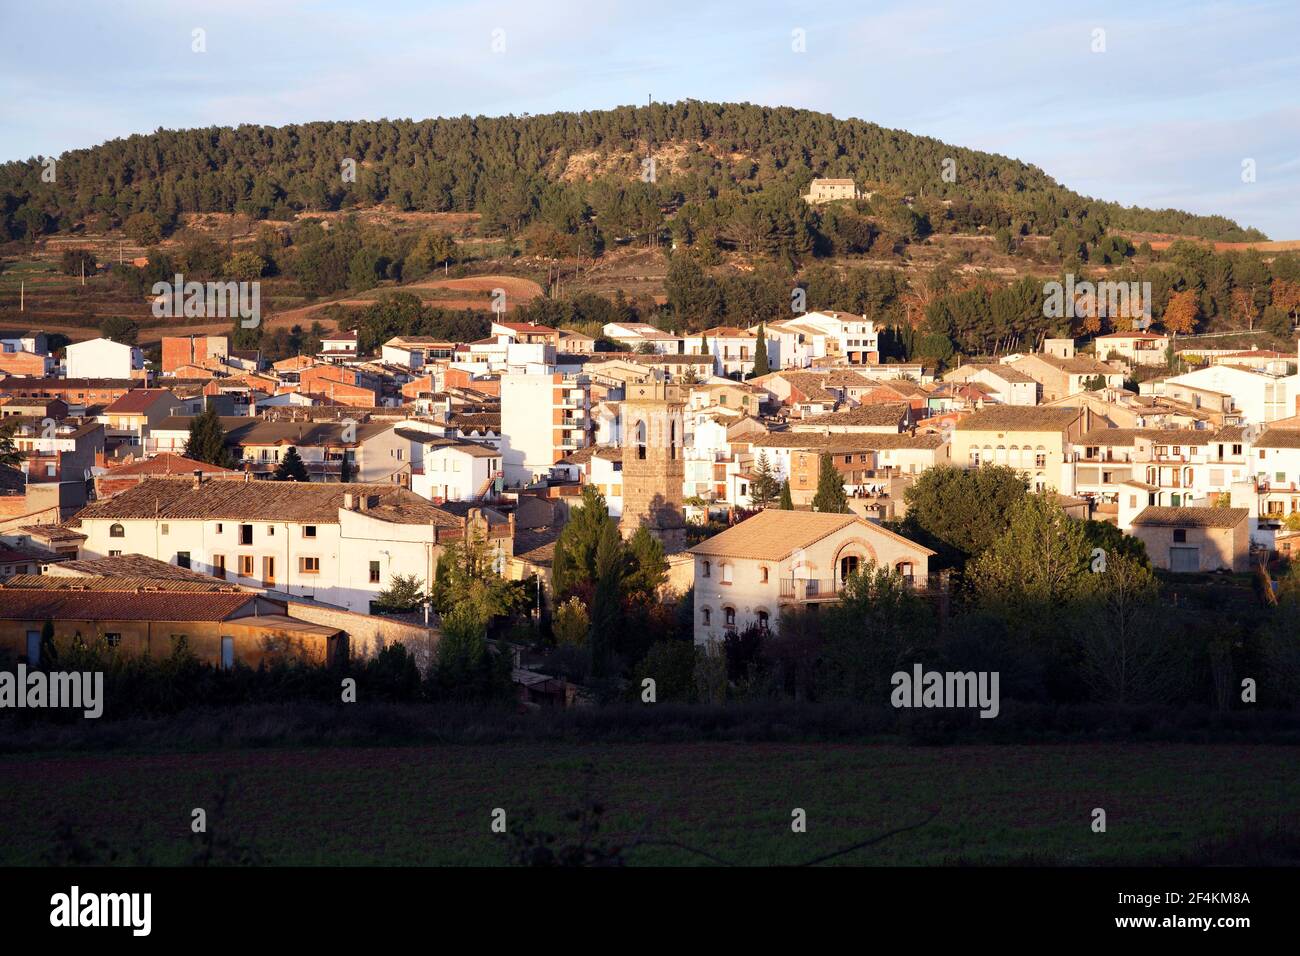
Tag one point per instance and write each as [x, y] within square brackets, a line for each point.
[651, 419]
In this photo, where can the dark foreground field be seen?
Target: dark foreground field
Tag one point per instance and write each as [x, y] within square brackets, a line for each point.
[1165, 803]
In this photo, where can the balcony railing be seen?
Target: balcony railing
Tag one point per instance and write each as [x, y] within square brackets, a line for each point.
[801, 590]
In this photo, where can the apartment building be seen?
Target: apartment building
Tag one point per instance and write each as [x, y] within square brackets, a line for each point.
[1037, 440]
[544, 417]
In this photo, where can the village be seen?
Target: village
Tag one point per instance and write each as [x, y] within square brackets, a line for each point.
[716, 443]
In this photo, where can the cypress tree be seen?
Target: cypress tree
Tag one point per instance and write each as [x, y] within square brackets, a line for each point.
[787, 504]
[207, 441]
[830, 497]
[291, 467]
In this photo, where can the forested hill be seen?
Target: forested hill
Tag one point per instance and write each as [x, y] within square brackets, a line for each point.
[514, 169]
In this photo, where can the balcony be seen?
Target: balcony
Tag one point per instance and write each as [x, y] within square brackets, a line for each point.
[815, 590]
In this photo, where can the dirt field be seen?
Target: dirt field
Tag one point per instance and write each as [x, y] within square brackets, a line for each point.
[433, 805]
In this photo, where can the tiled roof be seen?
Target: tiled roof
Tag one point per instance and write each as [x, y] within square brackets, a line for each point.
[166, 463]
[1191, 517]
[138, 400]
[850, 441]
[1279, 438]
[18, 604]
[773, 535]
[1161, 436]
[1019, 417]
[882, 413]
[293, 501]
[132, 566]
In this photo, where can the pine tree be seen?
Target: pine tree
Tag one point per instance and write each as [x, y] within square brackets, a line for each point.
[764, 489]
[579, 540]
[761, 364]
[207, 441]
[830, 497]
[787, 503]
[291, 467]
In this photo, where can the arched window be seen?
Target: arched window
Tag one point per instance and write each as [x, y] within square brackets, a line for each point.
[729, 616]
[706, 617]
[906, 569]
[848, 566]
[706, 569]
[116, 531]
[762, 620]
[762, 575]
[640, 440]
[672, 440]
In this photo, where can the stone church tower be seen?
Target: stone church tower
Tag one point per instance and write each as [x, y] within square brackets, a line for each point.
[653, 462]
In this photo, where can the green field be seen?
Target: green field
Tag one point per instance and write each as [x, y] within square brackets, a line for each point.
[433, 805]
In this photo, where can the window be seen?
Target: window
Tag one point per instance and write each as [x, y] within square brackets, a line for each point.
[1180, 535]
[762, 575]
[245, 534]
[762, 620]
[115, 554]
[270, 531]
[706, 617]
[113, 639]
[220, 527]
[163, 529]
[729, 616]
[268, 570]
[706, 570]
[182, 559]
[309, 531]
[116, 531]
[312, 566]
[374, 572]
[245, 565]
[219, 566]
[726, 573]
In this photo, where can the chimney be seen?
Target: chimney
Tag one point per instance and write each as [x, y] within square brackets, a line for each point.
[198, 477]
[347, 502]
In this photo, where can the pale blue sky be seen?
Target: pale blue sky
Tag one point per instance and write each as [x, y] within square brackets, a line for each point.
[1164, 117]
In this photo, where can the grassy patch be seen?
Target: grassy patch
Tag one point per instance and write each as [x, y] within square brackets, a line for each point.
[433, 805]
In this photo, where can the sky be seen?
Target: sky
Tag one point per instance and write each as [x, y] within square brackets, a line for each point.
[1159, 103]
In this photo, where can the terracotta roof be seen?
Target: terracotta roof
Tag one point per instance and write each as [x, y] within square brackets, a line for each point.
[774, 535]
[1191, 517]
[139, 400]
[132, 566]
[314, 502]
[1279, 438]
[846, 441]
[1161, 436]
[880, 413]
[1019, 417]
[166, 463]
[17, 604]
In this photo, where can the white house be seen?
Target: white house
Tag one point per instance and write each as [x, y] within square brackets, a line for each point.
[336, 543]
[747, 574]
[454, 470]
[102, 358]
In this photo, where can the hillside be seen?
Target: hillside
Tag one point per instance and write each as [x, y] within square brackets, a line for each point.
[556, 168]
